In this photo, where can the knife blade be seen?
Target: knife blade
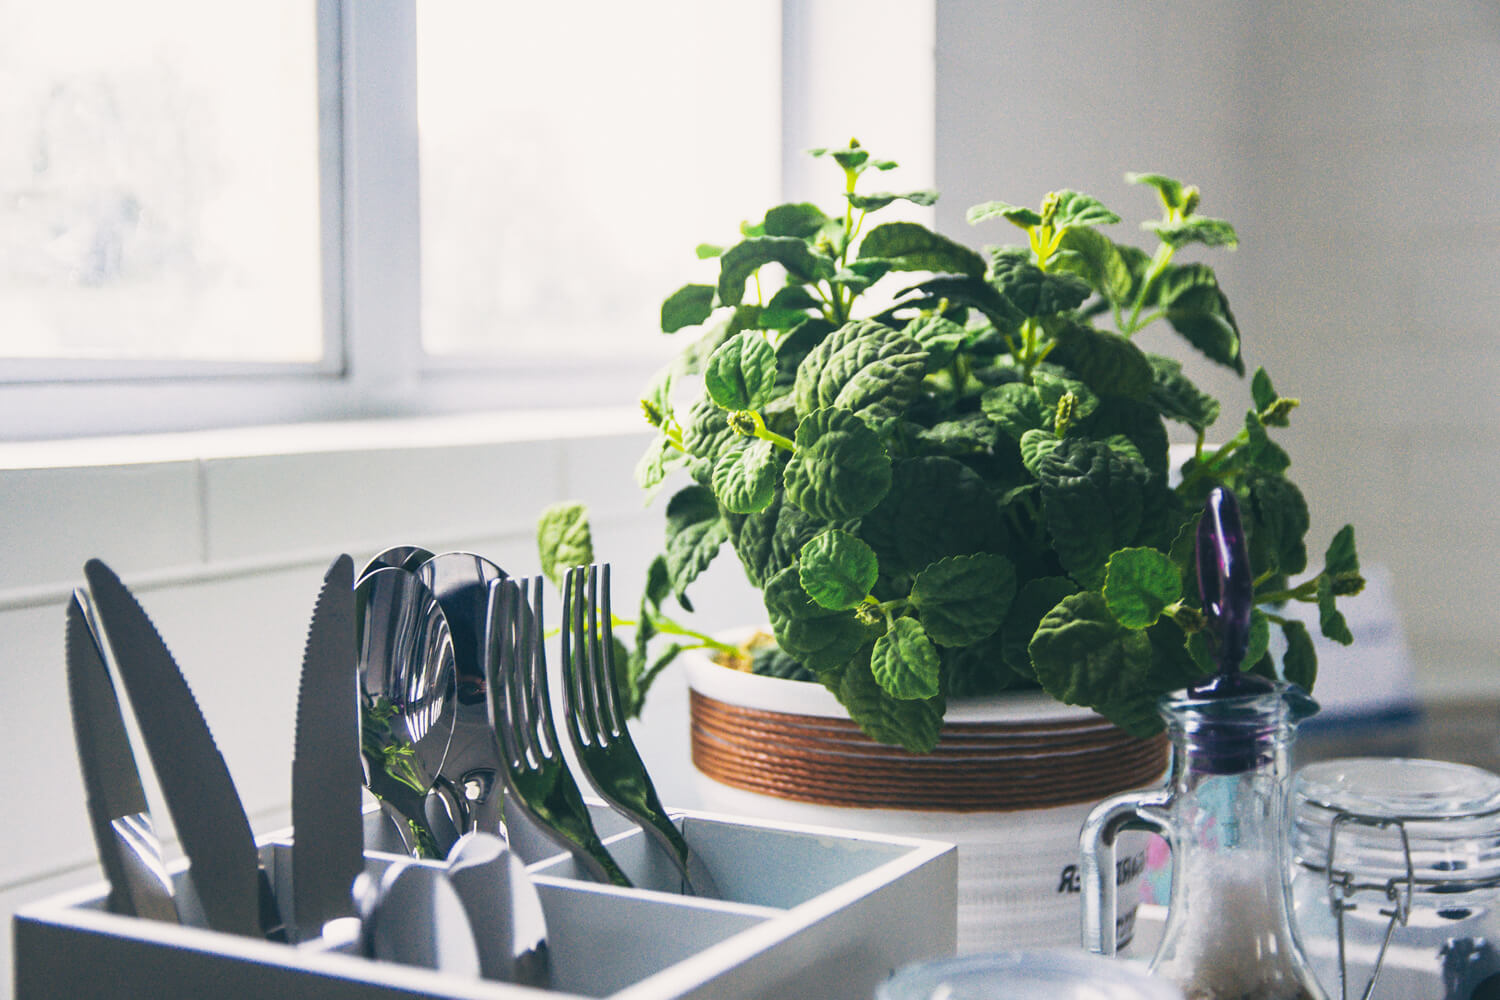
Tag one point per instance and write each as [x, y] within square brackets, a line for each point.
[128, 848]
[327, 826]
[224, 868]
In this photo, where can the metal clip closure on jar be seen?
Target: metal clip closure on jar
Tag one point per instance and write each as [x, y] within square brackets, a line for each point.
[1396, 876]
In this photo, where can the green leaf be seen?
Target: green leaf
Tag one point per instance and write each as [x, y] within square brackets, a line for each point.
[1017, 408]
[707, 251]
[1139, 584]
[694, 534]
[799, 219]
[743, 259]
[656, 463]
[769, 540]
[744, 479]
[1107, 363]
[1300, 662]
[1276, 521]
[839, 470]
[821, 638]
[864, 367]
[688, 306]
[1033, 291]
[1036, 597]
[910, 246]
[706, 432]
[904, 662]
[1094, 257]
[935, 507]
[971, 292]
[563, 539]
[741, 374]
[1177, 398]
[1035, 446]
[1018, 215]
[913, 724]
[1093, 502]
[941, 338]
[962, 599]
[1171, 191]
[1083, 656]
[1341, 557]
[1075, 209]
[1261, 451]
[873, 202]
[837, 569]
[1190, 297]
[1052, 387]
[1195, 229]
[1330, 619]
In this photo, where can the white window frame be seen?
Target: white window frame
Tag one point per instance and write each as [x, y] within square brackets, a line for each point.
[369, 197]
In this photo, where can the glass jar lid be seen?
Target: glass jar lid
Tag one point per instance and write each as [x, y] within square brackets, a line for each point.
[1387, 817]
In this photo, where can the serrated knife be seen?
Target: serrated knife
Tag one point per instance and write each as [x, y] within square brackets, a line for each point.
[327, 773]
[224, 868]
[129, 851]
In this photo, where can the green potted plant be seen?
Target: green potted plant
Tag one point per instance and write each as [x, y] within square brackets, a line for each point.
[965, 489]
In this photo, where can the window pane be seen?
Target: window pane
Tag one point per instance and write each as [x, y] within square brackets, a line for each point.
[572, 157]
[159, 180]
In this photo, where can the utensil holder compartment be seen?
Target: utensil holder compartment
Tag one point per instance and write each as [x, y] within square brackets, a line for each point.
[811, 912]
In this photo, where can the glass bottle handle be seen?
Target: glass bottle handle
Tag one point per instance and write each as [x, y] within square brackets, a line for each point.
[1096, 842]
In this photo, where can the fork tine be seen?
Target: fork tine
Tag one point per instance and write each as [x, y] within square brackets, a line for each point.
[609, 707]
[536, 674]
[574, 678]
[500, 629]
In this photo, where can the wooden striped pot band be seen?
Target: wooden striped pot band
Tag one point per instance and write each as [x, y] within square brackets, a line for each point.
[976, 766]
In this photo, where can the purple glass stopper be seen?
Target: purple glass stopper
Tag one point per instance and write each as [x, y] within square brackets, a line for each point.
[1228, 590]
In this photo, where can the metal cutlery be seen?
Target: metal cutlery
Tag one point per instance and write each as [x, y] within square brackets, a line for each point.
[407, 557]
[407, 704]
[327, 848]
[460, 582]
[521, 714]
[596, 724]
[504, 909]
[128, 848]
[224, 870]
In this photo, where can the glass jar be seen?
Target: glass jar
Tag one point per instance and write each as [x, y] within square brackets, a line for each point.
[1395, 870]
[1054, 975]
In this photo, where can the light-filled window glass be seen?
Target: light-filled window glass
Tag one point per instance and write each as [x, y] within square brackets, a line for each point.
[572, 157]
[159, 181]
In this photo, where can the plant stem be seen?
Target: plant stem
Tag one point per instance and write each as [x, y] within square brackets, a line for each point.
[1159, 262]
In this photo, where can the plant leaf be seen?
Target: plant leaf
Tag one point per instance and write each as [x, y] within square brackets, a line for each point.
[962, 599]
[1017, 408]
[1018, 215]
[1096, 259]
[1030, 289]
[863, 367]
[904, 662]
[873, 202]
[1299, 664]
[1083, 656]
[1036, 597]
[563, 539]
[744, 479]
[1107, 363]
[1093, 502]
[706, 432]
[741, 374]
[839, 469]
[1190, 297]
[1171, 190]
[1195, 229]
[1341, 557]
[1330, 619]
[1177, 398]
[694, 534]
[821, 638]
[1276, 520]
[1052, 387]
[1139, 584]
[910, 246]
[974, 293]
[688, 306]
[940, 337]
[749, 255]
[1075, 209]
[935, 507]
[837, 569]
[913, 724]
[799, 219]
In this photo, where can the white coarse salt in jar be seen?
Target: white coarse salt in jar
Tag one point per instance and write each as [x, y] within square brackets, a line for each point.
[1395, 877]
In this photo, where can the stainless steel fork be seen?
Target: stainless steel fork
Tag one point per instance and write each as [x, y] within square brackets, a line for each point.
[521, 714]
[597, 727]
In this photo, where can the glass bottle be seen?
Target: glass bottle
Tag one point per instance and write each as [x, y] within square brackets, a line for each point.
[1228, 934]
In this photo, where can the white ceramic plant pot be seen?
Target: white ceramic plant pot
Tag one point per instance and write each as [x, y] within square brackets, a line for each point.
[1010, 783]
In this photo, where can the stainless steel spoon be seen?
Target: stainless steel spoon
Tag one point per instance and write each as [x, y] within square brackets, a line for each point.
[407, 703]
[407, 557]
[460, 582]
[510, 928]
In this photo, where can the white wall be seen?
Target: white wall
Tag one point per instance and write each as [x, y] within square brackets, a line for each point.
[1356, 147]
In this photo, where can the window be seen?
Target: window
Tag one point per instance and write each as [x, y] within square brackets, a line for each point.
[213, 215]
